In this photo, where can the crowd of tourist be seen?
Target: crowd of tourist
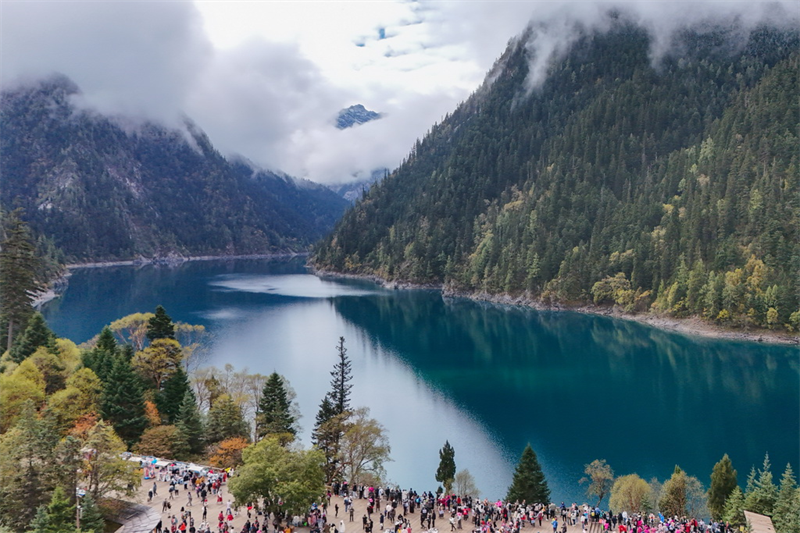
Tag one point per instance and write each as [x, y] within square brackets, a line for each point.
[185, 509]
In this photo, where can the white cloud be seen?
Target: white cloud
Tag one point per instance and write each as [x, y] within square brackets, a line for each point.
[127, 57]
[266, 79]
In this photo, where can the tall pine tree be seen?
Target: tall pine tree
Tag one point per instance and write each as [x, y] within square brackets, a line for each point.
[61, 512]
[160, 326]
[225, 420]
[333, 413]
[122, 402]
[91, 517]
[190, 424]
[733, 512]
[36, 334]
[171, 395]
[786, 513]
[274, 415]
[529, 484]
[101, 358]
[341, 376]
[106, 340]
[19, 265]
[723, 481]
[761, 493]
[327, 436]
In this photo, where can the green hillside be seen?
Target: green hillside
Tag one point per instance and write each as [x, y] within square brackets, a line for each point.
[673, 185]
[101, 189]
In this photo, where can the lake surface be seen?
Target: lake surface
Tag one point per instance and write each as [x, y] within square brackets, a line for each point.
[487, 378]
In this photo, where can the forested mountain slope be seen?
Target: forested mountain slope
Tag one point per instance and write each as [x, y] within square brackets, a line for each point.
[101, 191]
[672, 184]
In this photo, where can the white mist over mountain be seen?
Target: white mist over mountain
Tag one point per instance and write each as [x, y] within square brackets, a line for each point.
[267, 79]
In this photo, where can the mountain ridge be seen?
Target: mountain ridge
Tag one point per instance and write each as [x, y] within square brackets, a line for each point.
[102, 191]
[602, 185]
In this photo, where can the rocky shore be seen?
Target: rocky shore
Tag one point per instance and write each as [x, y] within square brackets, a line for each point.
[692, 326]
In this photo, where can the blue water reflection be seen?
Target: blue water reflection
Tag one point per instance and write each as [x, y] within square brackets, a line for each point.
[489, 379]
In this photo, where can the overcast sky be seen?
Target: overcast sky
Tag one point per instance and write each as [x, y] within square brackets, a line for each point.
[266, 79]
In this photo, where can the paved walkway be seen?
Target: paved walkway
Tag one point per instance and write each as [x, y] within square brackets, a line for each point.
[214, 508]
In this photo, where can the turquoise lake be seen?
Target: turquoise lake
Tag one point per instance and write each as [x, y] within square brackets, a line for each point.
[487, 378]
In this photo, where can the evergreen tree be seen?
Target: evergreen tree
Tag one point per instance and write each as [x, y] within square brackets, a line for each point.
[333, 413]
[327, 435]
[106, 341]
[36, 334]
[170, 398]
[734, 508]
[56, 517]
[225, 420]
[91, 517]
[723, 481]
[60, 512]
[41, 521]
[446, 472]
[122, 402]
[190, 424]
[274, 415]
[160, 326]
[340, 380]
[101, 358]
[468, 207]
[761, 493]
[98, 362]
[18, 277]
[529, 484]
[325, 414]
[786, 514]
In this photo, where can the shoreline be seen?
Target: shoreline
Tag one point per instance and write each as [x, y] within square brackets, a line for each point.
[691, 326]
[59, 285]
[177, 259]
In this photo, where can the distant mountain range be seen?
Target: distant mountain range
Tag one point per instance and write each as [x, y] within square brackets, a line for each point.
[671, 185]
[103, 190]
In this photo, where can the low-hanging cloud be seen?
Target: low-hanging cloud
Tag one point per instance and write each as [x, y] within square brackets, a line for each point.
[127, 57]
[274, 98]
[556, 27]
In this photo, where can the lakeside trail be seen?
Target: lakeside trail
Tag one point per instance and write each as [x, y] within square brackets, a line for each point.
[360, 506]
